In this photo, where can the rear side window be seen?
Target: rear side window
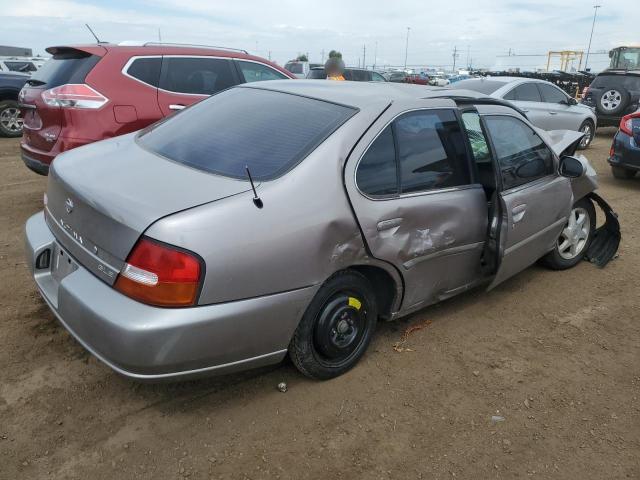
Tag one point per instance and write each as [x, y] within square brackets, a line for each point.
[376, 77]
[551, 94]
[522, 155]
[256, 72]
[630, 82]
[270, 132]
[146, 70]
[67, 66]
[431, 151]
[357, 75]
[196, 75]
[527, 92]
[377, 174]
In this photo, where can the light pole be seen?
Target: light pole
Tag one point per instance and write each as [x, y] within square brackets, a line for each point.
[406, 48]
[595, 12]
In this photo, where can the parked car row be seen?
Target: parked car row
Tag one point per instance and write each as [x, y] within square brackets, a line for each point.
[246, 228]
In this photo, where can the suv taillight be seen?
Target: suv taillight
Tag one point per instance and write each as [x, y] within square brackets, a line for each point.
[625, 123]
[74, 95]
[160, 275]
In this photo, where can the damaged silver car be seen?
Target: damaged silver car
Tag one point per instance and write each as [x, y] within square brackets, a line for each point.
[288, 217]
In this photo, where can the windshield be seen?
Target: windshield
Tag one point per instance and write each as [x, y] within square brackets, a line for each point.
[626, 59]
[317, 74]
[268, 131]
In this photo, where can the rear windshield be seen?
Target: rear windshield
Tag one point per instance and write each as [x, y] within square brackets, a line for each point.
[478, 85]
[628, 81]
[294, 67]
[270, 132]
[71, 66]
[317, 74]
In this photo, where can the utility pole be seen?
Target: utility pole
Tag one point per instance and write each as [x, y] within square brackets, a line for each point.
[323, 56]
[364, 56]
[269, 55]
[159, 35]
[406, 48]
[593, 26]
[375, 56]
[455, 55]
[468, 51]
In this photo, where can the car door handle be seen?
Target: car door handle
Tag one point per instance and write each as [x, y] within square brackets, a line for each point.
[518, 212]
[176, 106]
[389, 224]
[553, 113]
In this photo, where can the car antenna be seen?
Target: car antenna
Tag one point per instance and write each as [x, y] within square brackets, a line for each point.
[93, 33]
[257, 201]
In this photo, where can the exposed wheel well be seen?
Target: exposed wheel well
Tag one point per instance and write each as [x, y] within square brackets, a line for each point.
[8, 95]
[383, 285]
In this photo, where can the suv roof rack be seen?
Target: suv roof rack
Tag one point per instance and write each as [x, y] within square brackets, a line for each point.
[171, 44]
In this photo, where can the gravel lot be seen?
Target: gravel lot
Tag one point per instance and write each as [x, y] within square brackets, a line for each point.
[555, 354]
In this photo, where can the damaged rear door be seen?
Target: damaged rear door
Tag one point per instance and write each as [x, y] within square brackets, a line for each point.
[534, 200]
[409, 183]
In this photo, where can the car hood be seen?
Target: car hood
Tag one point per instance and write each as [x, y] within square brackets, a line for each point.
[102, 197]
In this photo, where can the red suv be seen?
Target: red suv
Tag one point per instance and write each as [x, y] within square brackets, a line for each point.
[87, 93]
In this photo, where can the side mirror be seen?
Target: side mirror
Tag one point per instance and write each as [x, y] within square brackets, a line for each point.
[571, 167]
[572, 101]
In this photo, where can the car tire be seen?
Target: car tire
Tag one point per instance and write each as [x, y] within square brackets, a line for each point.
[622, 173]
[10, 119]
[589, 129]
[577, 233]
[336, 328]
[612, 101]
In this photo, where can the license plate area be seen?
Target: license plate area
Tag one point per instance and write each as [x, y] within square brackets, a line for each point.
[61, 264]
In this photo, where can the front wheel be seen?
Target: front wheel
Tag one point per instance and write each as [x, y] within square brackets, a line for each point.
[575, 238]
[337, 327]
[589, 130]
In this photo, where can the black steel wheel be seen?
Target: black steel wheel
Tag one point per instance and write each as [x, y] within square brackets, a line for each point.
[337, 327]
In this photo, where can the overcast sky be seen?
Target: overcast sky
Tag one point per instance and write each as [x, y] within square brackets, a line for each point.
[482, 30]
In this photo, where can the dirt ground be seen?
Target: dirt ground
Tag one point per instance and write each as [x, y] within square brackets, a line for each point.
[556, 355]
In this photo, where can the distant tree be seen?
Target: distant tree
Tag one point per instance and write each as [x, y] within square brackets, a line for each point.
[302, 58]
[335, 54]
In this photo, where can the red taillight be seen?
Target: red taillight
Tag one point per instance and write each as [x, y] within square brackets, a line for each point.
[625, 123]
[74, 95]
[160, 275]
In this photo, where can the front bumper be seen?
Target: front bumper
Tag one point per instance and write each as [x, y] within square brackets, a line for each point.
[153, 344]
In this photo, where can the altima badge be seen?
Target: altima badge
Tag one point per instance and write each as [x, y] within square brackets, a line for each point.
[69, 205]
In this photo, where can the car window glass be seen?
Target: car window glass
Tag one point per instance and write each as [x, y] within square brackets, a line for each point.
[551, 94]
[256, 72]
[269, 132]
[377, 173]
[478, 142]
[527, 92]
[431, 151]
[204, 76]
[20, 66]
[146, 70]
[376, 77]
[522, 155]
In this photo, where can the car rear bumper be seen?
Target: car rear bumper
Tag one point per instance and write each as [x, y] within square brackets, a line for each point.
[39, 160]
[148, 343]
[626, 152]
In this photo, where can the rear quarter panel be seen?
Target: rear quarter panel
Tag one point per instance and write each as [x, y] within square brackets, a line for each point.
[304, 233]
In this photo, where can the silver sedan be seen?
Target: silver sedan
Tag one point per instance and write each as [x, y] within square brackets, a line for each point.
[546, 106]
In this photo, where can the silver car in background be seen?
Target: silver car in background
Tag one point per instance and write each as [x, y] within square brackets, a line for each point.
[546, 106]
[291, 216]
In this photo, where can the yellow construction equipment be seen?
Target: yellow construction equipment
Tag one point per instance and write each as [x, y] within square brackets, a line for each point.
[566, 57]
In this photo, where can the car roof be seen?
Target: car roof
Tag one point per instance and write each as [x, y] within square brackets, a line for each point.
[361, 94]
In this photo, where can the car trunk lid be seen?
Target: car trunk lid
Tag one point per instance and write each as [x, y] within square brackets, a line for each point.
[101, 198]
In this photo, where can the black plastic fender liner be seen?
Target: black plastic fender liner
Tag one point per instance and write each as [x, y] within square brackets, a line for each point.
[606, 239]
